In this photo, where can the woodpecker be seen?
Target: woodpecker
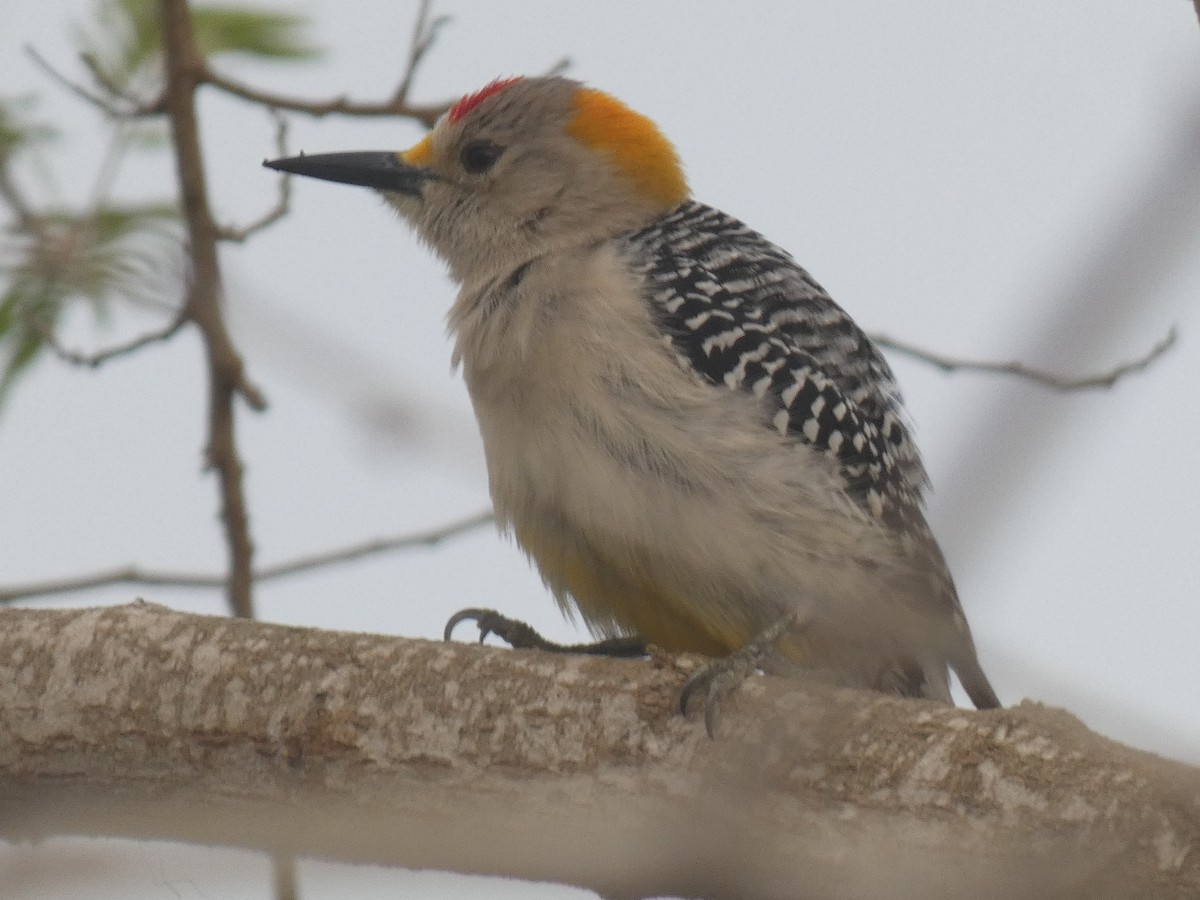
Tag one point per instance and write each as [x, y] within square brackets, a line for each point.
[683, 431]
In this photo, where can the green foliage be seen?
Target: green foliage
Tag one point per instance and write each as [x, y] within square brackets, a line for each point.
[18, 130]
[261, 33]
[131, 253]
[146, 135]
[51, 259]
[21, 341]
[125, 44]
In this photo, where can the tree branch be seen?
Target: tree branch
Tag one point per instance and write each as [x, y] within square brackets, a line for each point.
[425, 32]
[427, 115]
[135, 109]
[397, 105]
[141, 722]
[282, 204]
[16, 201]
[132, 575]
[95, 360]
[424, 35]
[137, 105]
[227, 378]
[1020, 370]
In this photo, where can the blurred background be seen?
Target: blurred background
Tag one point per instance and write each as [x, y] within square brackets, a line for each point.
[994, 182]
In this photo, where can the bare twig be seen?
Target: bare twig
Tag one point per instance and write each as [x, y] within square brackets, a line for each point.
[74, 87]
[148, 578]
[106, 175]
[21, 208]
[1020, 370]
[283, 202]
[370, 548]
[134, 110]
[95, 360]
[1147, 229]
[559, 67]
[137, 105]
[427, 115]
[425, 32]
[184, 69]
[127, 575]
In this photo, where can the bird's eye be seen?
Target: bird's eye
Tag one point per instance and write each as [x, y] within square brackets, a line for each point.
[479, 156]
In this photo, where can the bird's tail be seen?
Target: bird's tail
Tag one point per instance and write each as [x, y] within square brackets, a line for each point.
[975, 683]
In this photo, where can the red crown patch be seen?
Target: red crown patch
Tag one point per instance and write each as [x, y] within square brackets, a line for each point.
[469, 102]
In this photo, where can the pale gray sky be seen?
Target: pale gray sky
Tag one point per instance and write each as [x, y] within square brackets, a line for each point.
[952, 173]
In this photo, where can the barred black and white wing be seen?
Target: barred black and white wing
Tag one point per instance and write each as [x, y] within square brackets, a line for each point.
[741, 313]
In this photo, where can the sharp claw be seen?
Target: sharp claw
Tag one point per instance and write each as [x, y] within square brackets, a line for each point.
[710, 710]
[709, 681]
[689, 689]
[721, 677]
[714, 687]
[520, 636]
[684, 695]
[473, 614]
[516, 634]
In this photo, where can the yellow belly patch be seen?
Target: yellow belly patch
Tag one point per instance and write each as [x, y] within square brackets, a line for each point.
[618, 599]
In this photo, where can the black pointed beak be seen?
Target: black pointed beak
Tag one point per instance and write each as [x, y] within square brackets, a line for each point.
[381, 170]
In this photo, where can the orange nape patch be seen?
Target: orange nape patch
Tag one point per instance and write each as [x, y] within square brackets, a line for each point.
[633, 142]
[420, 152]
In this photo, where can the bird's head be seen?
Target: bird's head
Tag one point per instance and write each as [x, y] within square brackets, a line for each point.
[522, 167]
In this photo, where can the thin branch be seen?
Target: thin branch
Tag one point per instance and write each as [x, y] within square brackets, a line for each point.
[428, 538]
[148, 578]
[106, 175]
[427, 115]
[184, 67]
[73, 86]
[128, 575]
[565, 63]
[95, 360]
[1039, 376]
[137, 105]
[283, 202]
[135, 109]
[425, 33]
[20, 206]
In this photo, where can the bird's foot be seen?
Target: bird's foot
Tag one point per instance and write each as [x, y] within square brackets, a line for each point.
[520, 636]
[721, 677]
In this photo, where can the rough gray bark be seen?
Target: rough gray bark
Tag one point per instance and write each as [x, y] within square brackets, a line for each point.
[138, 721]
